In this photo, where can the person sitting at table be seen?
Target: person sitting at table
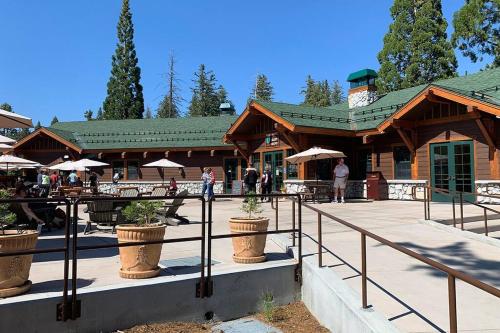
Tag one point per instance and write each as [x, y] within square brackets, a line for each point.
[94, 182]
[25, 216]
[172, 187]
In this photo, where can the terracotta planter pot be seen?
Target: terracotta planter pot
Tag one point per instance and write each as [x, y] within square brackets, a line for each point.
[15, 271]
[140, 262]
[248, 249]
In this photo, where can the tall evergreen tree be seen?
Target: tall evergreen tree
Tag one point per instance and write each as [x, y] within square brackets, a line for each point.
[263, 90]
[125, 99]
[54, 120]
[6, 107]
[9, 132]
[38, 125]
[310, 91]
[88, 114]
[23, 132]
[477, 30]
[169, 106]
[337, 93]
[99, 115]
[148, 114]
[416, 49]
[205, 99]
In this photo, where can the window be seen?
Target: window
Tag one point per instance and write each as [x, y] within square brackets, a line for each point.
[291, 169]
[243, 168]
[132, 170]
[402, 163]
[256, 161]
[118, 168]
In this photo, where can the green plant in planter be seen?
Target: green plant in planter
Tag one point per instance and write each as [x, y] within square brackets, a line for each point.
[6, 216]
[251, 205]
[142, 212]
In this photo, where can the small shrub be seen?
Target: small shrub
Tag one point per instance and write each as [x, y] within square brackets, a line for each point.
[268, 306]
[142, 212]
[6, 216]
[251, 205]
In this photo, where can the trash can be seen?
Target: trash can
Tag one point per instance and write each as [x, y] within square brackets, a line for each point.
[375, 184]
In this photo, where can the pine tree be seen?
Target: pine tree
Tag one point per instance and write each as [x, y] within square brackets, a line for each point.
[310, 91]
[38, 125]
[337, 94]
[415, 49]
[125, 99]
[88, 114]
[99, 115]
[6, 107]
[169, 106]
[477, 30]
[54, 120]
[263, 90]
[205, 99]
[21, 134]
[148, 114]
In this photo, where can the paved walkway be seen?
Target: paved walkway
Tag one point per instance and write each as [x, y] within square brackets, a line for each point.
[409, 293]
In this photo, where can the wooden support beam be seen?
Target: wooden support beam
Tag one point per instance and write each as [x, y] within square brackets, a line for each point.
[406, 140]
[288, 136]
[240, 150]
[487, 136]
[400, 123]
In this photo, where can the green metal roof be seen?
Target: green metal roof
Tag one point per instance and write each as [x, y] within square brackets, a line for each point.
[361, 74]
[483, 86]
[145, 133]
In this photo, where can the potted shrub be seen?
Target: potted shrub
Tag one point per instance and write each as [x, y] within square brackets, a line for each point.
[249, 249]
[140, 262]
[14, 270]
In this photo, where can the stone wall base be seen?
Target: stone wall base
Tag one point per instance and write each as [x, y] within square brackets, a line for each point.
[193, 187]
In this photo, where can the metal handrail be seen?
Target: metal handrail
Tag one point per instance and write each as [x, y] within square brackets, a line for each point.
[451, 272]
[460, 194]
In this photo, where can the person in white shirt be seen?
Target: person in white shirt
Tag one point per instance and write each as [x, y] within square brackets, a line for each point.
[340, 175]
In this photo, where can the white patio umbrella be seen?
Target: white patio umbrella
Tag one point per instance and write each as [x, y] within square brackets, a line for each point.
[87, 163]
[14, 120]
[164, 164]
[4, 139]
[5, 147]
[14, 160]
[314, 154]
[67, 166]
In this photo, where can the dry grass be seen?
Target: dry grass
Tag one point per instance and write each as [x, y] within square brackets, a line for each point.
[171, 327]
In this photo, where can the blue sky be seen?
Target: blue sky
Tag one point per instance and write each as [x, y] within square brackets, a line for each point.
[56, 55]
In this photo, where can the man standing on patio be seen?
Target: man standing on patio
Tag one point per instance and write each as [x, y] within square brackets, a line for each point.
[211, 183]
[340, 175]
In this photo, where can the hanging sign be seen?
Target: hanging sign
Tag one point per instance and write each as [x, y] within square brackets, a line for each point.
[272, 140]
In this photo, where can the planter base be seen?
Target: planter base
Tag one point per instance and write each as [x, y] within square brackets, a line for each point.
[249, 260]
[140, 275]
[15, 290]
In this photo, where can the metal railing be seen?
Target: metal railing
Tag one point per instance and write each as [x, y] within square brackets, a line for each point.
[453, 274]
[70, 307]
[461, 197]
[65, 249]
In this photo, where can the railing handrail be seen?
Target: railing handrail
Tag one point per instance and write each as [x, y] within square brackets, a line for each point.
[435, 264]
[448, 192]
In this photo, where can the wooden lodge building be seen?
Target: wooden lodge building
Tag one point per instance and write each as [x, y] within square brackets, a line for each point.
[445, 134]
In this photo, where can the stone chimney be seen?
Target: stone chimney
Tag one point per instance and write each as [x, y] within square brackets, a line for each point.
[362, 91]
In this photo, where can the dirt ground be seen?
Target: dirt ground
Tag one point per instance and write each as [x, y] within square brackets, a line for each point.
[292, 318]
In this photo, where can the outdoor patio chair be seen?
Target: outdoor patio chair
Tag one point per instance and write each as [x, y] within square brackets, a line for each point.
[131, 191]
[159, 191]
[104, 214]
[170, 210]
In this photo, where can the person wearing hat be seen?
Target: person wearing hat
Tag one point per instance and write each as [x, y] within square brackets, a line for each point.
[251, 180]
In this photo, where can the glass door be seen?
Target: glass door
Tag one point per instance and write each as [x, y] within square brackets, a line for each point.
[274, 161]
[452, 168]
[230, 173]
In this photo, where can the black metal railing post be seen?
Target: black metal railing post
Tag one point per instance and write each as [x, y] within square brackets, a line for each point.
[298, 274]
[364, 294]
[425, 204]
[452, 303]
[429, 196]
[203, 237]
[67, 228]
[293, 222]
[74, 261]
[320, 242]
[485, 222]
[454, 215]
[277, 215]
[209, 290]
[461, 211]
